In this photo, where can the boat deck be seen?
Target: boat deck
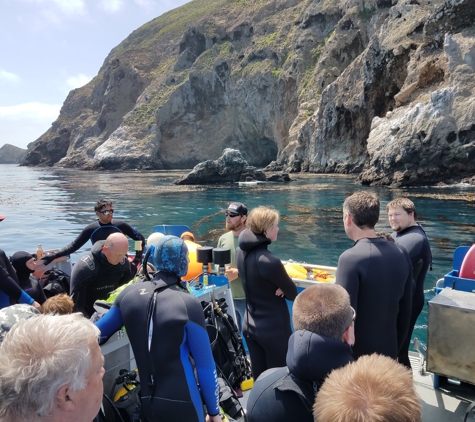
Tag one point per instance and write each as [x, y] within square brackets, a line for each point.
[447, 403]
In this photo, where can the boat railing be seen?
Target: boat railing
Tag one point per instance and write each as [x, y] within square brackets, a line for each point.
[306, 282]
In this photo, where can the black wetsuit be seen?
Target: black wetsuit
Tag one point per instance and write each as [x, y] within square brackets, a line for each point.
[266, 324]
[26, 280]
[178, 327]
[93, 278]
[415, 241]
[9, 288]
[287, 394]
[98, 231]
[378, 277]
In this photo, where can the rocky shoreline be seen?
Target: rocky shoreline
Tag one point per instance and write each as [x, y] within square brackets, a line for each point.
[382, 89]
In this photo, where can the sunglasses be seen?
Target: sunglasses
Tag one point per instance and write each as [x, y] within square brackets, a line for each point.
[228, 214]
[107, 212]
[354, 314]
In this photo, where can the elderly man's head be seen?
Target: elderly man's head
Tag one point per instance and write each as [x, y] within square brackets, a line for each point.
[51, 368]
[115, 248]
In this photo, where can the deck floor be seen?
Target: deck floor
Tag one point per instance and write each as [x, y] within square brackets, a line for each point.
[447, 403]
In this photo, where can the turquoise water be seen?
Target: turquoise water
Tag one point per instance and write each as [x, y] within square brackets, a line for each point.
[51, 206]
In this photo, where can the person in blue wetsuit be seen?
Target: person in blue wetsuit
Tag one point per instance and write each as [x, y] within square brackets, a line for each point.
[166, 327]
[9, 288]
[100, 230]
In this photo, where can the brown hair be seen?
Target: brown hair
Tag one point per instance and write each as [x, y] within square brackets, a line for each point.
[261, 219]
[386, 235]
[323, 309]
[405, 203]
[61, 304]
[101, 204]
[364, 209]
[373, 389]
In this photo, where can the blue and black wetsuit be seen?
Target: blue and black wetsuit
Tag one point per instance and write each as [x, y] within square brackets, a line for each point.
[9, 287]
[98, 231]
[166, 327]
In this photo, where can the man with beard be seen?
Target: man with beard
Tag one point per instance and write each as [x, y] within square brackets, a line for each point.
[412, 237]
[236, 216]
[377, 274]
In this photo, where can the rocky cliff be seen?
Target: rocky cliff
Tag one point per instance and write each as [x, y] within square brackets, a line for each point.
[10, 154]
[383, 88]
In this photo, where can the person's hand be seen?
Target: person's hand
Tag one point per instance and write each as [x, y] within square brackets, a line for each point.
[231, 273]
[47, 259]
[216, 418]
[36, 305]
[279, 292]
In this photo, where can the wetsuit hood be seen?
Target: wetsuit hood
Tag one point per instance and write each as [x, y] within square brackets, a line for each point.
[19, 260]
[312, 357]
[96, 252]
[171, 256]
[249, 240]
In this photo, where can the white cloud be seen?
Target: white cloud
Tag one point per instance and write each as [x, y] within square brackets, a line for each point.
[145, 3]
[23, 123]
[77, 81]
[44, 13]
[71, 7]
[112, 5]
[8, 76]
[68, 7]
[30, 111]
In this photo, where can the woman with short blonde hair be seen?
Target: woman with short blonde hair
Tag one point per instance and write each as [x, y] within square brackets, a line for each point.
[266, 284]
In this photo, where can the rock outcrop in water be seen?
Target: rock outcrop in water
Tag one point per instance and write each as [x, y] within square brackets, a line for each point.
[229, 168]
[384, 88]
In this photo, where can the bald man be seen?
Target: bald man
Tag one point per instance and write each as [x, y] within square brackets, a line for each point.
[100, 272]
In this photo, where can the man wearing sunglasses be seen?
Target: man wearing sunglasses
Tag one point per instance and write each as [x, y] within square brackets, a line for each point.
[236, 216]
[99, 230]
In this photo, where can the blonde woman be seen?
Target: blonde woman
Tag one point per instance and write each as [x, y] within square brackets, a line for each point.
[266, 285]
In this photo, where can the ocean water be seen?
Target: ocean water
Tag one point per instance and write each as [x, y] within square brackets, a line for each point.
[51, 206]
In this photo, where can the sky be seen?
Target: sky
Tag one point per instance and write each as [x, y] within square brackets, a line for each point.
[49, 47]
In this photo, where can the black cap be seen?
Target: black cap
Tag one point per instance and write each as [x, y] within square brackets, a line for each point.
[237, 208]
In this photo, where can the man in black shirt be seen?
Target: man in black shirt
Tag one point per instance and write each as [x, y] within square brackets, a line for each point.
[412, 237]
[100, 272]
[378, 276]
[99, 230]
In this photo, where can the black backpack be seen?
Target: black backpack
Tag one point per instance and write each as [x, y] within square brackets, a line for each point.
[55, 282]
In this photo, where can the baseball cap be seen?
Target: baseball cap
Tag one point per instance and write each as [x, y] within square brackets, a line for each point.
[184, 234]
[238, 208]
[2, 217]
